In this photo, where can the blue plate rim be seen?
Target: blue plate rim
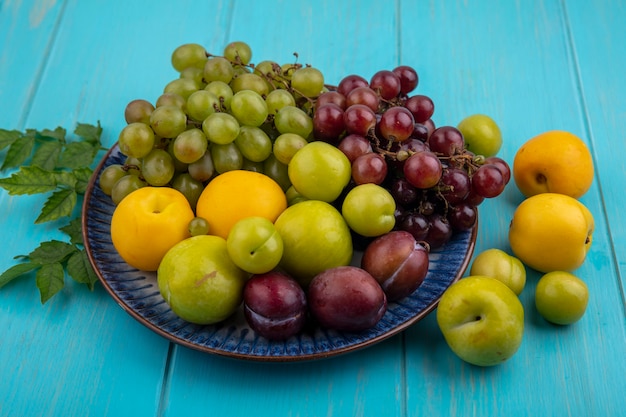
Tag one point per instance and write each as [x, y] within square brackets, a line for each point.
[467, 239]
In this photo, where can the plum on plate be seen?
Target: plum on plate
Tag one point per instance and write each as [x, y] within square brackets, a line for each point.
[398, 262]
[346, 298]
[274, 305]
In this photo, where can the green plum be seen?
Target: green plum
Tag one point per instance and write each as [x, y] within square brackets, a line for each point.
[369, 210]
[482, 320]
[561, 297]
[199, 281]
[255, 245]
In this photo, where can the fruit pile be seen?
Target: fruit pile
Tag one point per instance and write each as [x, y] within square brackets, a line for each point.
[551, 231]
[284, 177]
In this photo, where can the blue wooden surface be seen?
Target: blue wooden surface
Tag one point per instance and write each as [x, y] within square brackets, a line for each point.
[532, 65]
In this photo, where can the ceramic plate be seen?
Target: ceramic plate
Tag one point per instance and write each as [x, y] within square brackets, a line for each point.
[138, 294]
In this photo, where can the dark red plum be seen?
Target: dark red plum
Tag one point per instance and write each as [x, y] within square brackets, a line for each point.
[398, 262]
[274, 305]
[346, 298]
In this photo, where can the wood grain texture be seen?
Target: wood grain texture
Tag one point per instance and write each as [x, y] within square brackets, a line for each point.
[533, 66]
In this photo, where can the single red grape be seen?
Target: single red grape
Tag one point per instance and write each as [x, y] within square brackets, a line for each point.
[396, 124]
[386, 83]
[408, 78]
[423, 169]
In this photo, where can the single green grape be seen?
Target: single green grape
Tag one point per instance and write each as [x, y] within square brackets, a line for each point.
[158, 168]
[220, 128]
[194, 73]
[239, 70]
[286, 146]
[132, 166]
[249, 108]
[277, 99]
[249, 165]
[250, 82]
[109, 176]
[168, 121]
[287, 70]
[188, 55]
[190, 145]
[270, 71]
[178, 165]
[307, 81]
[138, 110]
[277, 171]
[124, 186]
[267, 68]
[254, 143]
[136, 140]
[198, 226]
[294, 196]
[201, 104]
[203, 169]
[170, 99]
[226, 157]
[184, 87]
[222, 91]
[189, 187]
[218, 69]
[239, 52]
[291, 119]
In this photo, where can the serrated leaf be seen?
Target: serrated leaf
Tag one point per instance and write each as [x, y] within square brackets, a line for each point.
[78, 155]
[47, 154]
[16, 271]
[83, 175]
[90, 132]
[58, 134]
[65, 178]
[7, 137]
[51, 252]
[79, 268]
[50, 280]
[59, 204]
[18, 152]
[74, 230]
[29, 180]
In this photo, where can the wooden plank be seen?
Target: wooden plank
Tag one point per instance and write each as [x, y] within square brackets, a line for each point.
[26, 35]
[601, 51]
[480, 65]
[80, 353]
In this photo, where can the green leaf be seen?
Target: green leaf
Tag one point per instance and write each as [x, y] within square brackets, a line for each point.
[18, 152]
[50, 280]
[65, 178]
[79, 268]
[90, 132]
[16, 271]
[83, 175]
[51, 252]
[57, 134]
[7, 137]
[47, 154]
[78, 155]
[29, 180]
[74, 230]
[59, 204]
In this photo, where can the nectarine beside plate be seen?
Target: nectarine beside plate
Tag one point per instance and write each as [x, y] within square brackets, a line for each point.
[137, 293]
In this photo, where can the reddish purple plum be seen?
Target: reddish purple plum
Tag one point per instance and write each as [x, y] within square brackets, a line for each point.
[398, 262]
[346, 298]
[274, 305]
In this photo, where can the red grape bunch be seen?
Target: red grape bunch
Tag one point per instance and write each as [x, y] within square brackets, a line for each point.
[389, 137]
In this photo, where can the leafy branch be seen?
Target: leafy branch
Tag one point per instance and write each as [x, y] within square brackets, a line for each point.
[48, 162]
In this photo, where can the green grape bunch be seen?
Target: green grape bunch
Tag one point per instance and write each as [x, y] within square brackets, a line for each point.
[222, 113]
